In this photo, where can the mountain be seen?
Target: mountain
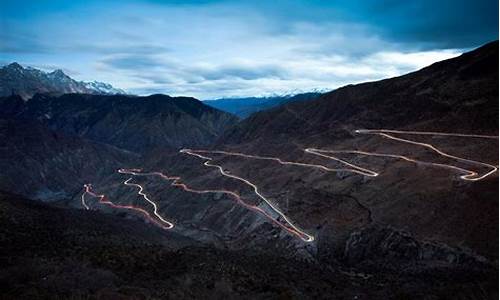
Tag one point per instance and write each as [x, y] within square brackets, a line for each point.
[26, 82]
[129, 122]
[103, 88]
[45, 165]
[455, 96]
[353, 215]
[458, 94]
[259, 210]
[413, 219]
[244, 107]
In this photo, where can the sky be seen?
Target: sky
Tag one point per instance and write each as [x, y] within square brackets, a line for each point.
[212, 49]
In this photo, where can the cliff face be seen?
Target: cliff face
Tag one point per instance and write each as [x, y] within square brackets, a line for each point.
[133, 123]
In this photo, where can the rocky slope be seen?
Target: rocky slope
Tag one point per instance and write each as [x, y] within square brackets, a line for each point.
[44, 165]
[26, 82]
[129, 122]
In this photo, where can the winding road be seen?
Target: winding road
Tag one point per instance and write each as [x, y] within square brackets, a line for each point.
[469, 175]
[283, 221]
[104, 200]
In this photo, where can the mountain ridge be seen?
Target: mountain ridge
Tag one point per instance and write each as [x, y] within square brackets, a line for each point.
[469, 82]
[26, 82]
[133, 123]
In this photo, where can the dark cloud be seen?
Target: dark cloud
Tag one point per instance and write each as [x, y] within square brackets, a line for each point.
[430, 23]
[421, 23]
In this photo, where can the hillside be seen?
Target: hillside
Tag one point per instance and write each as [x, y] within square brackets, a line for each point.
[44, 165]
[380, 190]
[129, 122]
[86, 254]
[415, 190]
[460, 94]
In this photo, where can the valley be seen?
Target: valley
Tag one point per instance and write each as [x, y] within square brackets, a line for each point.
[385, 189]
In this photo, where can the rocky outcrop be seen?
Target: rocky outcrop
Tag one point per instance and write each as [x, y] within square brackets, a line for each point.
[44, 165]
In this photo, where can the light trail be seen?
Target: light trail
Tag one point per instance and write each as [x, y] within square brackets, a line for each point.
[356, 169]
[289, 227]
[425, 133]
[155, 207]
[84, 204]
[103, 200]
[470, 174]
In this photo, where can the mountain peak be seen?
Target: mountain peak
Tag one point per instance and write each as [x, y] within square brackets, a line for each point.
[14, 66]
[59, 75]
[58, 72]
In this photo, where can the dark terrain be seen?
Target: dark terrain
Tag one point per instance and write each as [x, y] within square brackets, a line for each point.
[130, 122]
[414, 232]
[51, 166]
[60, 143]
[111, 257]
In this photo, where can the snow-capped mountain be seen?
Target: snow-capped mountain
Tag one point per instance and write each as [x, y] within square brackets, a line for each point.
[245, 106]
[104, 88]
[26, 82]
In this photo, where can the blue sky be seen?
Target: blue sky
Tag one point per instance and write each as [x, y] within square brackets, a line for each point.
[211, 49]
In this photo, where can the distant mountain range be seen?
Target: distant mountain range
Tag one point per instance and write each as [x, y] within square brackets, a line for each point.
[26, 82]
[244, 107]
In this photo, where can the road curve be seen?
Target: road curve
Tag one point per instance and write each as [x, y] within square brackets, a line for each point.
[104, 200]
[469, 175]
[176, 182]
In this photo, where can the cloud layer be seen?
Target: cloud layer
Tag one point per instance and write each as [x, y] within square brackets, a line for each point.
[211, 49]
